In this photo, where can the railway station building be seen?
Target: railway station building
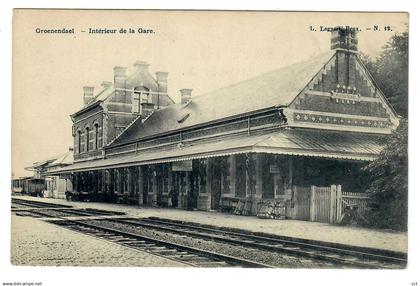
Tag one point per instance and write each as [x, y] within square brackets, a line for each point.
[316, 122]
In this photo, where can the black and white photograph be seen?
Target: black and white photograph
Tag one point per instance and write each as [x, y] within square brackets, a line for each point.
[177, 139]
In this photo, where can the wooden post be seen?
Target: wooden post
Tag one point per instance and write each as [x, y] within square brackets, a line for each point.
[290, 161]
[128, 181]
[118, 188]
[339, 203]
[232, 177]
[154, 186]
[333, 204]
[114, 182]
[122, 176]
[140, 185]
[111, 182]
[103, 181]
[209, 179]
[312, 209]
[208, 176]
[188, 191]
[258, 175]
[294, 211]
[258, 159]
[170, 182]
[247, 185]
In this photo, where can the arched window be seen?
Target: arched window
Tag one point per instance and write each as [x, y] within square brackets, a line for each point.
[96, 135]
[79, 141]
[87, 139]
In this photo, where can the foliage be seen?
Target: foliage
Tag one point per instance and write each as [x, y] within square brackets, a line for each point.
[390, 71]
[389, 182]
[388, 175]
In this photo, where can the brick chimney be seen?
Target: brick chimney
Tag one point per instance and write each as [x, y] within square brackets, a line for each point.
[141, 66]
[120, 77]
[344, 38]
[87, 94]
[185, 95]
[146, 109]
[162, 81]
[344, 41]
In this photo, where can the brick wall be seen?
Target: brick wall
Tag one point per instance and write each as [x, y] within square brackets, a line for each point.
[116, 112]
[345, 70]
[92, 121]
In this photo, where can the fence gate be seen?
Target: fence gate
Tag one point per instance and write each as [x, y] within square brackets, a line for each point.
[301, 203]
[349, 200]
[324, 204]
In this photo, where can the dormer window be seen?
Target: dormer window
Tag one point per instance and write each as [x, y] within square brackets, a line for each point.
[141, 95]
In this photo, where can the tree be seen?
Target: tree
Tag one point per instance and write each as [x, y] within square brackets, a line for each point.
[390, 71]
[389, 182]
[388, 175]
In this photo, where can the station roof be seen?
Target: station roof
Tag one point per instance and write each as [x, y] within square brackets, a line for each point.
[295, 142]
[64, 159]
[276, 88]
[57, 160]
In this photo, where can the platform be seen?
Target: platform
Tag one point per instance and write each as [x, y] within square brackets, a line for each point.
[354, 236]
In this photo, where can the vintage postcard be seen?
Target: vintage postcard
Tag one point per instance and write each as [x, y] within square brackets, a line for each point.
[255, 139]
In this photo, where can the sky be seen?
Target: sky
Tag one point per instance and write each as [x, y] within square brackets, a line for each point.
[202, 50]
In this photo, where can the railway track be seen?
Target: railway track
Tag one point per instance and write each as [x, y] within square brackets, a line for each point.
[55, 210]
[189, 256]
[333, 255]
[37, 204]
[344, 256]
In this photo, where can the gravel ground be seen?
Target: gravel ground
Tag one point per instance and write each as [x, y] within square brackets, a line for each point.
[57, 213]
[37, 243]
[39, 212]
[266, 257]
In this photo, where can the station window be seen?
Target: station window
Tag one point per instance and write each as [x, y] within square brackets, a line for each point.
[96, 135]
[79, 141]
[87, 139]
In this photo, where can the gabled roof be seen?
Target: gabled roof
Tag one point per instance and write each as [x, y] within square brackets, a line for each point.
[275, 88]
[64, 159]
[100, 97]
[40, 164]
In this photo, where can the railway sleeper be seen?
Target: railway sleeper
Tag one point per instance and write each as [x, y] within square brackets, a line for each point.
[157, 248]
[168, 252]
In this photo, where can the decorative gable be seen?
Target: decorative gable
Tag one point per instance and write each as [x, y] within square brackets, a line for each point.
[342, 96]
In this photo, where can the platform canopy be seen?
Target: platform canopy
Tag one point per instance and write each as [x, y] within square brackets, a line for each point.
[293, 142]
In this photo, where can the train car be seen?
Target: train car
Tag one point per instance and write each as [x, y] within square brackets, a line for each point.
[16, 186]
[34, 187]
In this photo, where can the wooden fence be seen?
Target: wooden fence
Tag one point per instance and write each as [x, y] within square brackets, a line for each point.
[351, 200]
[324, 204]
[301, 203]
